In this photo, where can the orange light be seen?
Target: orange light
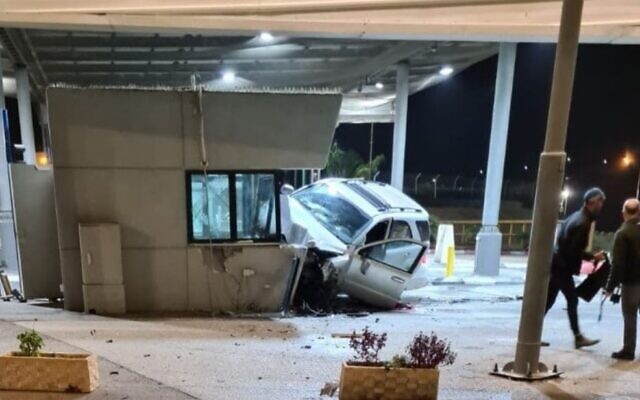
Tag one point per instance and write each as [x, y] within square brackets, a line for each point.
[42, 160]
[627, 160]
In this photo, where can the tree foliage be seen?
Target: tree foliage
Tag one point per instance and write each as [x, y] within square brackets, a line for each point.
[348, 164]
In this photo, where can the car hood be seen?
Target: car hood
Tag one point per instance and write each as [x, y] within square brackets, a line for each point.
[301, 219]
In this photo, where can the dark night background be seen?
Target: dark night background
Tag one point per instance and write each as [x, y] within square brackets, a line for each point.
[449, 124]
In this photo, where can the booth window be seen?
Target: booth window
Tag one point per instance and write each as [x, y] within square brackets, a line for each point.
[233, 206]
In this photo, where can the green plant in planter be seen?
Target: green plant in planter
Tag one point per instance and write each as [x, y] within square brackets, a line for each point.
[398, 361]
[30, 343]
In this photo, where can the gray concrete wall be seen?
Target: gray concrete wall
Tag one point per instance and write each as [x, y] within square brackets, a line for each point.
[35, 217]
[121, 156]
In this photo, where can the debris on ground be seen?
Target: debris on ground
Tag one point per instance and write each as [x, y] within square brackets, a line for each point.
[307, 347]
[147, 355]
[329, 389]
[109, 341]
[345, 335]
[114, 373]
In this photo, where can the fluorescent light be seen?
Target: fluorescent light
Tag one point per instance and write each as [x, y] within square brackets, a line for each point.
[379, 85]
[228, 76]
[266, 37]
[446, 70]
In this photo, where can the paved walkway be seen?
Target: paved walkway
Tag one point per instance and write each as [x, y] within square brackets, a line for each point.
[170, 357]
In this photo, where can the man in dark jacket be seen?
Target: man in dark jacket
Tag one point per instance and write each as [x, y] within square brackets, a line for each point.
[569, 252]
[625, 270]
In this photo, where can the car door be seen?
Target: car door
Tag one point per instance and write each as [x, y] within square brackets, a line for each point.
[376, 274]
[399, 229]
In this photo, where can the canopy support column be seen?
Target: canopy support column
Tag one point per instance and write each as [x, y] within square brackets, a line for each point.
[489, 239]
[400, 125]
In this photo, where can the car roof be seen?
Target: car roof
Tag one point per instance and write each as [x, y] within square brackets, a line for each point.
[374, 198]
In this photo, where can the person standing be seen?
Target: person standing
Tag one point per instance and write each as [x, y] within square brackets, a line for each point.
[569, 252]
[626, 271]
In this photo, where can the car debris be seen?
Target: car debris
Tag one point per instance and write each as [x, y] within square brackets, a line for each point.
[365, 239]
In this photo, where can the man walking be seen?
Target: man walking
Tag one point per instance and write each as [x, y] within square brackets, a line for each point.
[569, 252]
[626, 271]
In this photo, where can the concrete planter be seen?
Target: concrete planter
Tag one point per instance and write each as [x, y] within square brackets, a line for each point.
[380, 383]
[50, 372]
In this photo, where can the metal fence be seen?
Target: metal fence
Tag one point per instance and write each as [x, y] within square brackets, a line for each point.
[515, 233]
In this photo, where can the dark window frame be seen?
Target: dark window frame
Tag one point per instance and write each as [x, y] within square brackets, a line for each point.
[233, 212]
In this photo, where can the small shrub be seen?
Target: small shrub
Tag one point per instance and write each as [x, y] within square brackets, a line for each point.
[427, 351]
[398, 361]
[30, 343]
[367, 345]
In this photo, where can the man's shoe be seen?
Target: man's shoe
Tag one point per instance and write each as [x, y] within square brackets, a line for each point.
[582, 341]
[623, 355]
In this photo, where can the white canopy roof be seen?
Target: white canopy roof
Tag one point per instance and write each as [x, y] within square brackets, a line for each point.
[352, 45]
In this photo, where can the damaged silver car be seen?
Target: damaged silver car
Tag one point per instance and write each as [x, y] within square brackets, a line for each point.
[365, 239]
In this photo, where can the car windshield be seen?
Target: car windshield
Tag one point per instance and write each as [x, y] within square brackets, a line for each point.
[336, 214]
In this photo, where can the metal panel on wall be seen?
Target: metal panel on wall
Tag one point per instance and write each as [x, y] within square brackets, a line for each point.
[35, 217]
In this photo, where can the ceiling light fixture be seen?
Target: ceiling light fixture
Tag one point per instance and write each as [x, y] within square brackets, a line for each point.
[266, 37]
[379, 85]
[228, 76]
[446, 70]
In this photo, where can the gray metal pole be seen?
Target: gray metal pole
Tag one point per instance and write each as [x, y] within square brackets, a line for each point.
[400, 125]
[26, 116]
[550, 176]
[489, 239]
[371, 153]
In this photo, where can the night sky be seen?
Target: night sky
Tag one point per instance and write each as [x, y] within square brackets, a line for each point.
[449, 124]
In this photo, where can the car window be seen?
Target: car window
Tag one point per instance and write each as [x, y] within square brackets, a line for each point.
[377, 233]
[424, 230]
[400, 230]
[402, 255]
[336, 214]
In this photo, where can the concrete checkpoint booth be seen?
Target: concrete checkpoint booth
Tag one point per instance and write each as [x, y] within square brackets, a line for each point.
[124, 156]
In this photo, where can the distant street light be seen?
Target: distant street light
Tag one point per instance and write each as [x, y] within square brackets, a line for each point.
[627, 161]
[455, 182]
[415, 183]
[473, 183]
[605, 162]
[435, 186]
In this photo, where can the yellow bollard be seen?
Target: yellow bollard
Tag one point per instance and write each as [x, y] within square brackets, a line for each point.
[451, 259]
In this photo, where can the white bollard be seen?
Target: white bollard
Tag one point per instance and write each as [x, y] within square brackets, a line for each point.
[444, 240]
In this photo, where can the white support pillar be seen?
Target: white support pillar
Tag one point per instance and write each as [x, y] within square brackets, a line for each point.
[26, 117]
[489, 239]
[400, 125]
[8, 245]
